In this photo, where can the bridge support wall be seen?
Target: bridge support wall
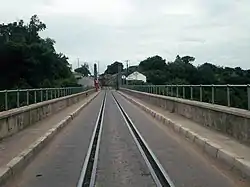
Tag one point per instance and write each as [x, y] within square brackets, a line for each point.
[233, 122]
[14, 120]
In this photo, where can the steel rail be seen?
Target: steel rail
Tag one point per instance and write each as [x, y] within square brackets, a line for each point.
[88, 172]
[157, 172]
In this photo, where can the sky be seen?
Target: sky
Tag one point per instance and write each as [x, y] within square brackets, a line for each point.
[215, 31]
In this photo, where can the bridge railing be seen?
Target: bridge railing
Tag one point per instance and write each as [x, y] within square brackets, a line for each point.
[10, 99]
[228, 95]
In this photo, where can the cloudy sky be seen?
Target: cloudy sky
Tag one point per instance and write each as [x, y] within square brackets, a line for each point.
[216, 31]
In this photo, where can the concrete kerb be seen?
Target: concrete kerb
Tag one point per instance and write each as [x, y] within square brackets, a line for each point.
[5, 174]
[21, 160]
[200, 142]
[210, 148]
[16, 164]
[227, 157]
[243, 166]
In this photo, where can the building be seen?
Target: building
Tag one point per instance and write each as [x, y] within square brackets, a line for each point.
[136, 76]
[84, 81]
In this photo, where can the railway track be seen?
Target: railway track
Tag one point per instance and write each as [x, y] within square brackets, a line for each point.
[88, 173]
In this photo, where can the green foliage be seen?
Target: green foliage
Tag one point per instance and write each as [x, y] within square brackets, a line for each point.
[155, 69]
[188, 59]
[153, 63]
[182, 72]
[130, 70]
[84, 70]
[136, 82]
[113, 68]
[29, 61]
[207, 74]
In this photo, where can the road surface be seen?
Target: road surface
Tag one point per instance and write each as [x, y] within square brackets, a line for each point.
[120, 162]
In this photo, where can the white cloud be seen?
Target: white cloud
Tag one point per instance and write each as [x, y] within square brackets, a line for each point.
[109, 30]
[112, 11]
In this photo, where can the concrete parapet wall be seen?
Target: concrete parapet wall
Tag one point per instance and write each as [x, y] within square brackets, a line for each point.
[14, 120]
[233, 122]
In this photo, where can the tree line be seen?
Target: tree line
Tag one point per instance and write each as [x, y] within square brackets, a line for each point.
[181, 71]
[29, 61]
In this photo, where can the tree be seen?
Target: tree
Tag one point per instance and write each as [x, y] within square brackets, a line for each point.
[181, 71]
[153, 63]
[206, 74]
[156, 77]
[154, 69]
[130, 70]
[113, 68]
[29, 61]
[84, 70]
[188, 59]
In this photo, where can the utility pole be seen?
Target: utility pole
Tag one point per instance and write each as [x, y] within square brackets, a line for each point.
[95, 71]
[127, 66]
[119, 78]
[127, 71]
[95, 78]
[91, 68]
[78, 63]
[98, 71]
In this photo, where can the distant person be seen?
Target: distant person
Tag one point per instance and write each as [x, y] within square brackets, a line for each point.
[96, 85]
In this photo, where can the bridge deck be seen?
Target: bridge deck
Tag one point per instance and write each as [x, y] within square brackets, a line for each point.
[225, 142]
[12, 146]
[119, 161]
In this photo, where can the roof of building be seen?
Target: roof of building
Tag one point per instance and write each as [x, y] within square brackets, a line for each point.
[136, 73]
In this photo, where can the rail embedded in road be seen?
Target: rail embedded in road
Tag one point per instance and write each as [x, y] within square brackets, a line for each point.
[159, 175]
[88, 173]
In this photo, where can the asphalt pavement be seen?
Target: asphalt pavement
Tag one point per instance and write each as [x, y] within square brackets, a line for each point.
[59, 164]
[185, 165]
[120, 163]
